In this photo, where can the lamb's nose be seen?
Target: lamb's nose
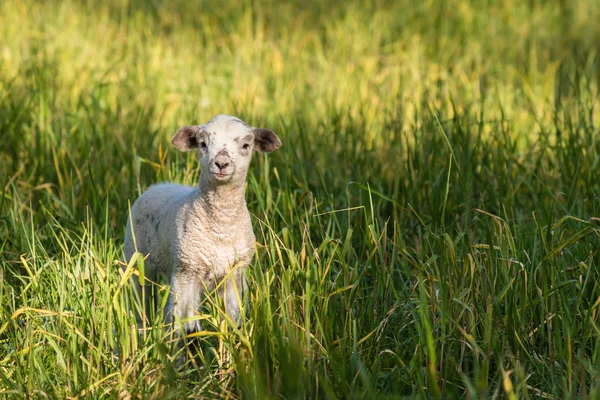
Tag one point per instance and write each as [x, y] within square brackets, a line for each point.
[221, 164]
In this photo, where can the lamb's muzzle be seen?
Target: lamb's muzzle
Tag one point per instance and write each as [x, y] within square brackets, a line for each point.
[222, 161]
[201, 237]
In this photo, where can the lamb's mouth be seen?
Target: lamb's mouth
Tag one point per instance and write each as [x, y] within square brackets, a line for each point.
[220, 176]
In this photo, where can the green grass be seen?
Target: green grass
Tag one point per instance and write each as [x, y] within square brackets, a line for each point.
[430, 227]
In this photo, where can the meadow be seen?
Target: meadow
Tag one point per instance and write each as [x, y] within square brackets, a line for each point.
[430, 227]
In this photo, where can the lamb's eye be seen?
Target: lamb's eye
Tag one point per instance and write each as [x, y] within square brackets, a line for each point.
[203, 144]
[246, 146]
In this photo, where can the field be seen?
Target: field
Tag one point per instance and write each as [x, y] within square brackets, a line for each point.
[430, 227]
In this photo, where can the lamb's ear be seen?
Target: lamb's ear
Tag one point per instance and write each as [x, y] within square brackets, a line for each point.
[185, 138]
[265, 140]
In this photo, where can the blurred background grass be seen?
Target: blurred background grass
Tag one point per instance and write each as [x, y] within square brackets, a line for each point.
[458, 138]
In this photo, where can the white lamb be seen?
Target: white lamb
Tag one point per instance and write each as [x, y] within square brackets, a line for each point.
[196, 236]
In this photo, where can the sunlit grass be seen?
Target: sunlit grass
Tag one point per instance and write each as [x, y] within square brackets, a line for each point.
[430, 226]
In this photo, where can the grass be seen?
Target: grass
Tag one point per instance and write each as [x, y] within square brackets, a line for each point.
[430, 227]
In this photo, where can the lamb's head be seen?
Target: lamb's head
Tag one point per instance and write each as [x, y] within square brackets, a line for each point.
[225, 145]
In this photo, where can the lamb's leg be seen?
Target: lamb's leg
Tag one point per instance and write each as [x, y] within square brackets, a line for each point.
[232, 294]
[183, 302]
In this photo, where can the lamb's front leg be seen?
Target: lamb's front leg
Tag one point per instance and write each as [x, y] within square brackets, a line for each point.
[184, 302]
[232, 293]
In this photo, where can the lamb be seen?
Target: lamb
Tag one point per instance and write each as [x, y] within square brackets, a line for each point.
[199, 236]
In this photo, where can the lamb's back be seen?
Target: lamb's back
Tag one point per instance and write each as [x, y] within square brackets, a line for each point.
[153, 219]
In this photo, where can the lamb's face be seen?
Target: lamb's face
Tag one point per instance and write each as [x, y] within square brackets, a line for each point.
[225, 150]
[225, 146]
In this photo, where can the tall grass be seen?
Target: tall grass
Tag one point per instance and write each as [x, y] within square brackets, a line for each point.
[430, 227]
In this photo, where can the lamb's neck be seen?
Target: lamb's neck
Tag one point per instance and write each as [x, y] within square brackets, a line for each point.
[224, 204]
